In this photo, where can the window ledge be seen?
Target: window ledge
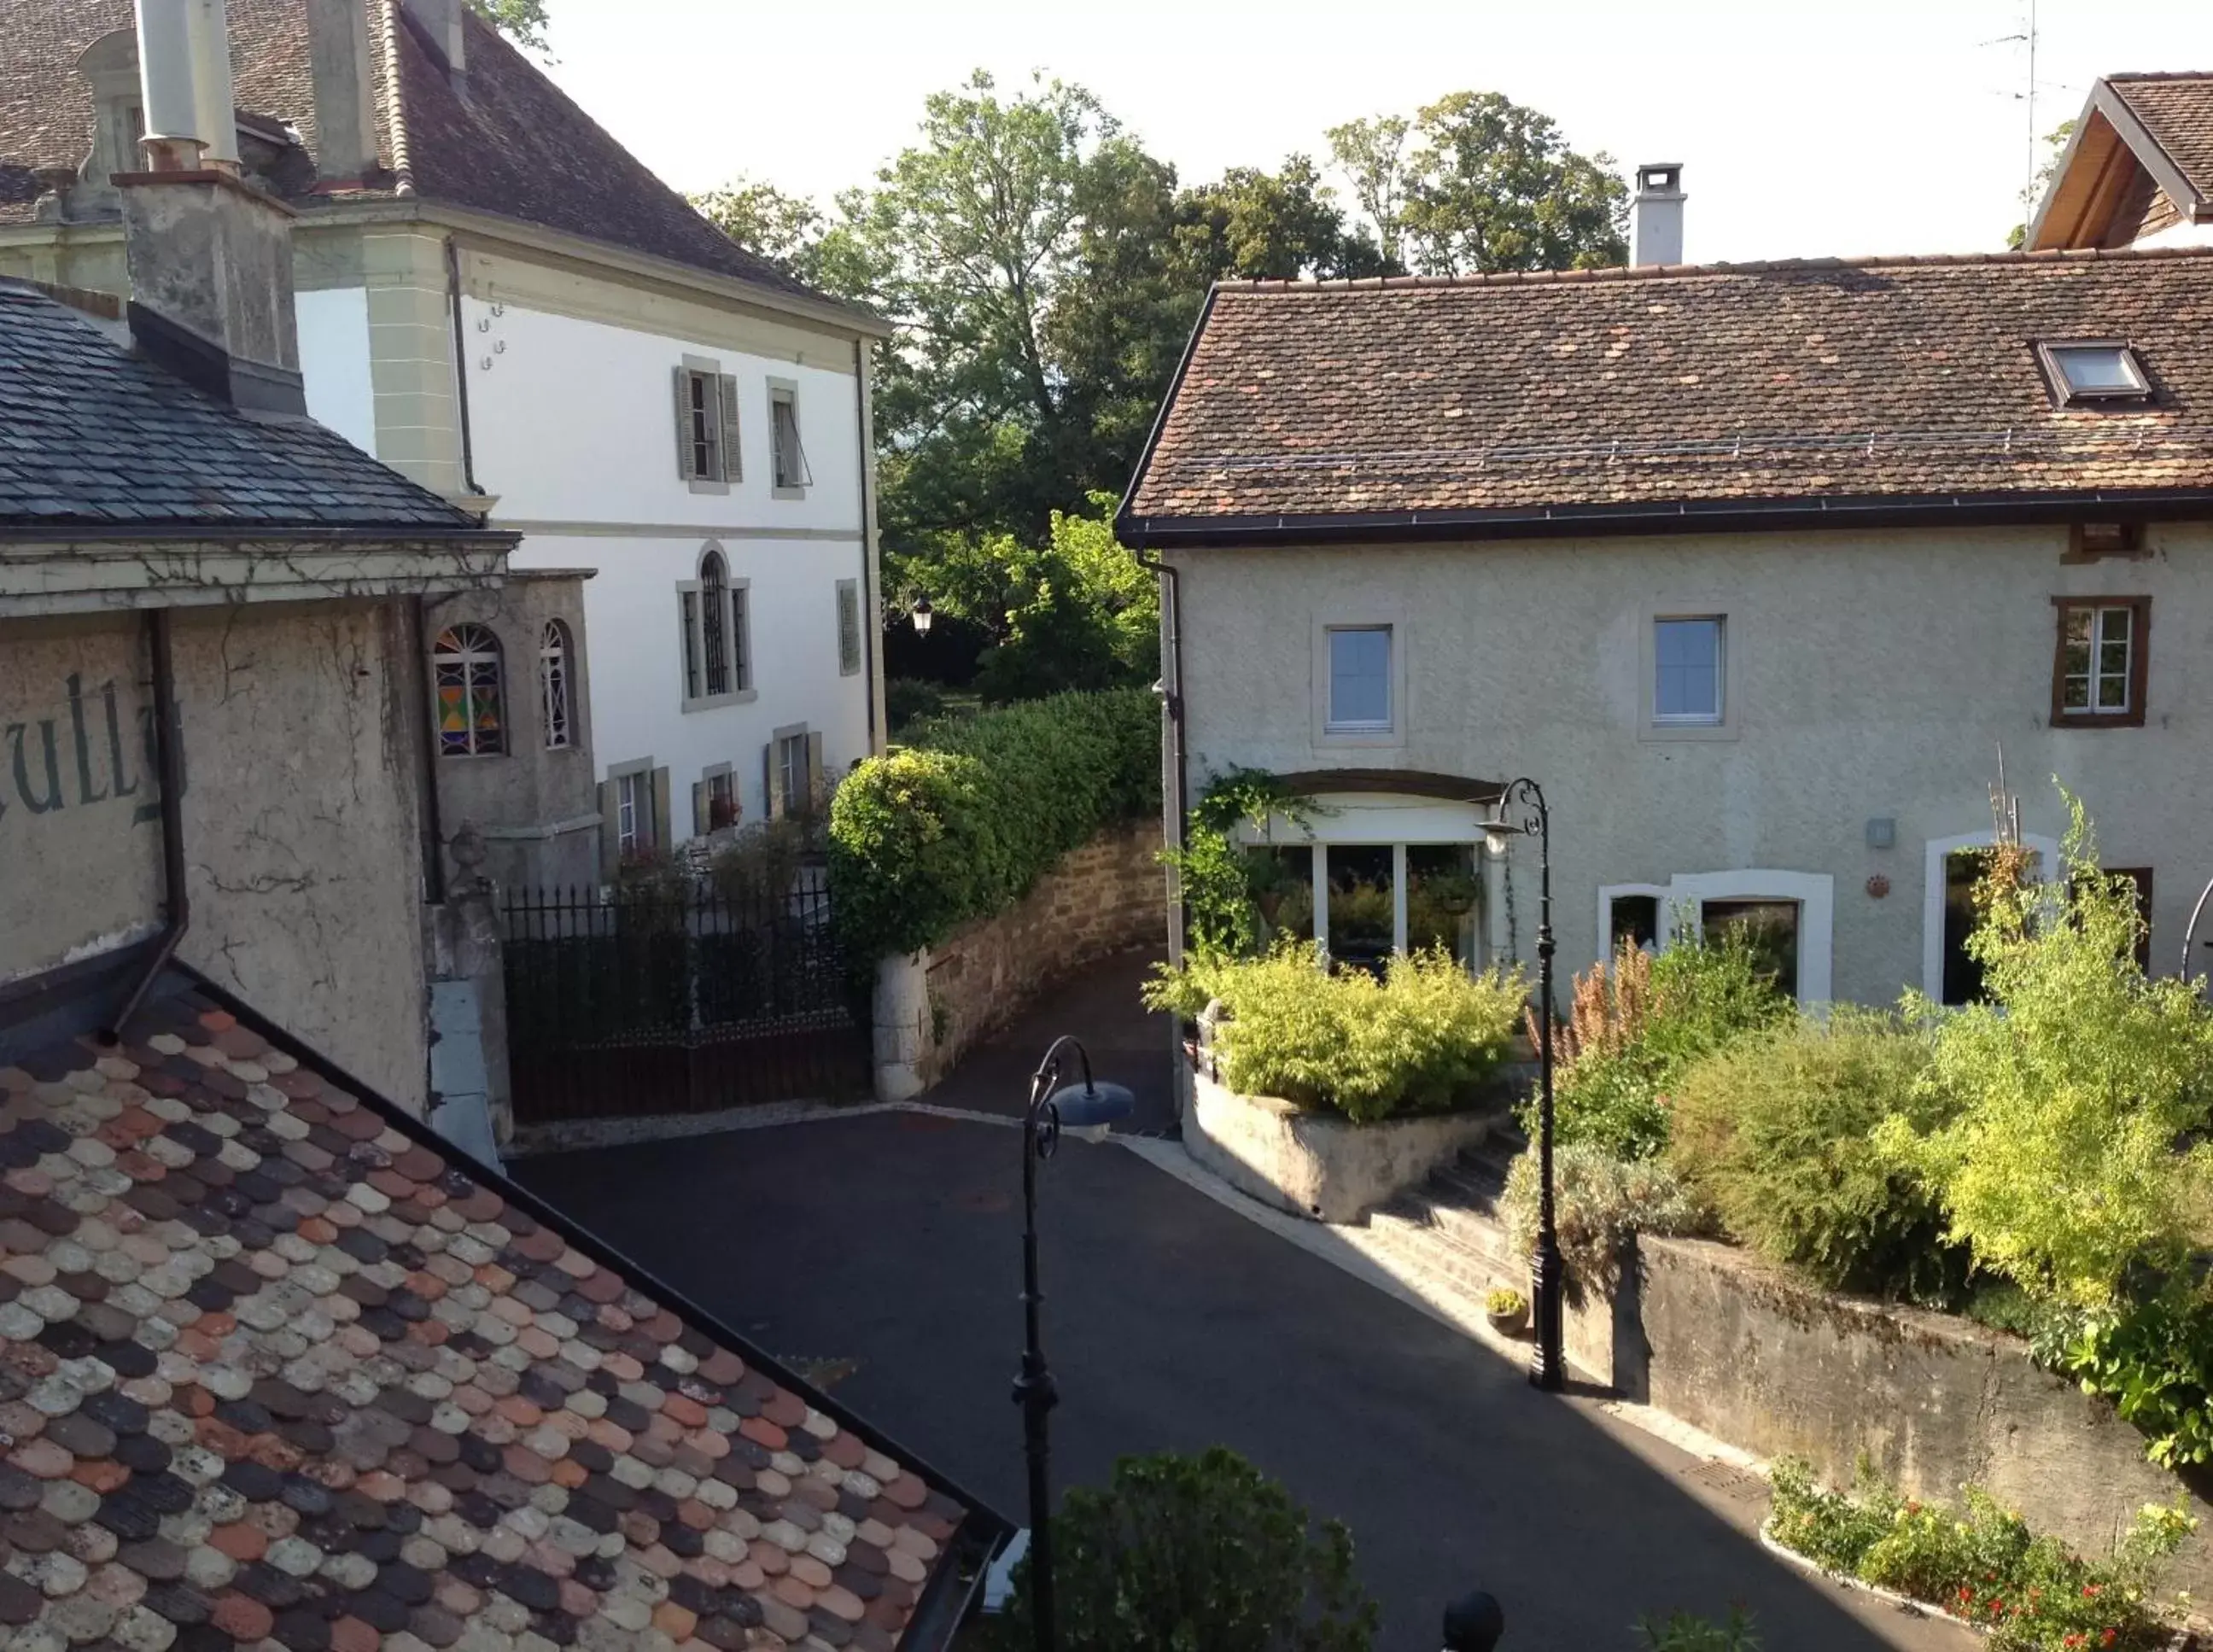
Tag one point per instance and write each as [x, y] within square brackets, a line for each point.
[714, 701]
[1663, 733]
[699, 485]
[786, 493]
[1329, 737]
[472, 757]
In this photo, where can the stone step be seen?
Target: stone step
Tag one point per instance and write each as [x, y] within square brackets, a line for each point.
[1434, 1267]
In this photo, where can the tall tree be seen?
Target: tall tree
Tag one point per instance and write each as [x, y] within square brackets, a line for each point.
[1279, 226]
[1494, 186]
[1372, 154]
[763, 219]
[523, 21]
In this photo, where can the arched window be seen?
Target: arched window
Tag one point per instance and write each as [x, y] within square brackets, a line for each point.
[553, 680]
[715, 621]
[471, 709]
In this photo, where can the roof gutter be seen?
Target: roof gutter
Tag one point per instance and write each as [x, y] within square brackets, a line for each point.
[203, 531]
[1811, 511]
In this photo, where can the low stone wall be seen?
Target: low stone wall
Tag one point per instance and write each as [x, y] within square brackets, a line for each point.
[1315, 1164]
[1748, 1353]
[931, 1007]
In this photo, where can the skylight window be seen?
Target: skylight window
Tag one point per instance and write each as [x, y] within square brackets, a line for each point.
[2094, 371]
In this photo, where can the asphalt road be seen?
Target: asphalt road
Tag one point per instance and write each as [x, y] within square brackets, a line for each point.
[884, 1250]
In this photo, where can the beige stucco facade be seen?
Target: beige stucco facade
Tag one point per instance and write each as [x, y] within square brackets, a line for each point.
[300, 828]
[1871, 676]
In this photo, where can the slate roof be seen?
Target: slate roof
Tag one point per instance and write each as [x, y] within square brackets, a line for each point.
[278, 1369]
[2177, 110]
[516, 146]
[93, 434]
[1639, 393]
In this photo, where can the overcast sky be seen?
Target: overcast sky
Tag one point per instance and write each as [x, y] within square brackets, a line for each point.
[1851, 126]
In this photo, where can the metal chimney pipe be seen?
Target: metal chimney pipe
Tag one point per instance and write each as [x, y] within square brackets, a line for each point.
[212, 88]
[173, 138]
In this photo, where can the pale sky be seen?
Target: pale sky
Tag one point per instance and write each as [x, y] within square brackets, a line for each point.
[1850, 127]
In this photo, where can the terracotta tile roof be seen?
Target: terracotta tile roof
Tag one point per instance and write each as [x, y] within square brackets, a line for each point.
[2177, 110]
[279, 1369]
[93, 433]
[1630, 391]
[516, 146]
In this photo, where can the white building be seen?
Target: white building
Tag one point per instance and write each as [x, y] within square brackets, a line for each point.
[499, 302]
[1759, 570]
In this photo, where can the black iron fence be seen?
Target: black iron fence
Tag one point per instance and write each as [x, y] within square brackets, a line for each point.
[678, 998]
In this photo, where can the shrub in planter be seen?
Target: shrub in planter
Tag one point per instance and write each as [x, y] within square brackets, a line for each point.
[1599, 1201]
[1181, 1553]
[1775, 1132]
[1684, 1632]
[1422, 1039]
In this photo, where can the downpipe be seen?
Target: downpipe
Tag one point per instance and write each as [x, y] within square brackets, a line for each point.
[169, 768]
[1172, 697]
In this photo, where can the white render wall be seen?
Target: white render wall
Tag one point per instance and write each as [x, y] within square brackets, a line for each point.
[573, 431]
[1875, 674]
[333, 325]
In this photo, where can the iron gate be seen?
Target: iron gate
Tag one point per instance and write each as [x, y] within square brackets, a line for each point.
[679, 999]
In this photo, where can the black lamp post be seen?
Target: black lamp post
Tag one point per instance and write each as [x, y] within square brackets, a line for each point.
[1088, 1106]
[923, 613]
[1522, 811]
[1473, 1623]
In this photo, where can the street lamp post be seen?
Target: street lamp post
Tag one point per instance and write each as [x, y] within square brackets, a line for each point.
[923, 613]
[1085, 1107]
[1522, 811]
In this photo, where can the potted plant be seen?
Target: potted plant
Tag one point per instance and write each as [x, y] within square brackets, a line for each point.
[1508, 1310]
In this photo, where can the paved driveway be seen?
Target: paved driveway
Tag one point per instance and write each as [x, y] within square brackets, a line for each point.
[887, 1245]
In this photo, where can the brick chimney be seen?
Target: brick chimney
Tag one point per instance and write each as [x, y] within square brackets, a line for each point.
[209, 257]
[346, 96]
[1656, 216]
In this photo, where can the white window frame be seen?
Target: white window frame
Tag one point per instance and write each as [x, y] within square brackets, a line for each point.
[1328, 734]
[1653, 727]
[1934, 851]
[1685, 894]
[2097, 612]
[784, 467]
[737, 635]
[794, 777]
[556, 684]
[633, 794]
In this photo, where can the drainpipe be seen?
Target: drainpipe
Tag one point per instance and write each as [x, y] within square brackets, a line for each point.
[1172, 696]
[169, 776]
[872, 619]
[426, 762]
[460, 367]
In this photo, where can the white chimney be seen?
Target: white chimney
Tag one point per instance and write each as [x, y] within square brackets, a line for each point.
[212, 88]
[345, 101]
[173, 139]
[445, 21]
[1656, 216]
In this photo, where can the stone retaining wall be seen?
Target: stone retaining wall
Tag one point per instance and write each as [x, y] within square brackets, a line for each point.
[931, 1007]
[1752, 1356]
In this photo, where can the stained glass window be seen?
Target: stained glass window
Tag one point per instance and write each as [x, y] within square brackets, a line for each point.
[472, 712]
[553, 683]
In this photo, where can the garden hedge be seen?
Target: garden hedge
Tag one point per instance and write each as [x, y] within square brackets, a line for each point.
[961, 825]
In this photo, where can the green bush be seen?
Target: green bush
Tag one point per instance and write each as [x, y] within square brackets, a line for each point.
[1422, 1039]
[1775, 1132]
[1980, 1562]
[926, 838]
[2078, 1086]
[2153, 1359]
[1684, 1632]
[1194, 1554]
[1636, 1024]
[909, 700]
[1598, 1201]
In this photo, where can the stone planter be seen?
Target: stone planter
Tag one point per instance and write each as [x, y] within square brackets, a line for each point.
[1318, 1165]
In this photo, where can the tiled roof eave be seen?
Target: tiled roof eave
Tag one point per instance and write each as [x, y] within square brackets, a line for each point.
[1167, 531]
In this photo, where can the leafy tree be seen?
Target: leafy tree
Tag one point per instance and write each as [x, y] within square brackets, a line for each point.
[2055, 143]
[763, 219]
[1255, 225]
[1179, 1553]
[1495, 187]
[1372, 153]
[523, 21]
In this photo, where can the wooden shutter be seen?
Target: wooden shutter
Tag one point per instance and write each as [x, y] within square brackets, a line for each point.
[683, 385]
[700, 823]
[772, 776]
[661, 820]
[727, 383]
[813, 768]
[610, 831]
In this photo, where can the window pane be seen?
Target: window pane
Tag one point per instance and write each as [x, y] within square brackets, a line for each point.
[2075, 694]
[1444, 898]
[1687, 687]
[1963, 976]
[1636, 920]
[1281, 879]
[1770, 927]
[1361, 916]
[1360, 677]
[2092, 370]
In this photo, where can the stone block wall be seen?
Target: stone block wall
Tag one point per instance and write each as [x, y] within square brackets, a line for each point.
[1752, 1356]
[931, 1008]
